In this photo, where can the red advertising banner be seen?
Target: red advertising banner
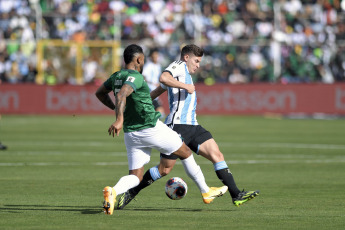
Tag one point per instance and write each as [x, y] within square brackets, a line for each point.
[217, 99]
[271, 98]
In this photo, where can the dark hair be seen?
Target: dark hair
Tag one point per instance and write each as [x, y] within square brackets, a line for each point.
[153, 50]
[192, 49]
[130, 52]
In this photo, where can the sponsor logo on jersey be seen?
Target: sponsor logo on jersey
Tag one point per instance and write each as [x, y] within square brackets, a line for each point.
[118, 82]
[131, 79]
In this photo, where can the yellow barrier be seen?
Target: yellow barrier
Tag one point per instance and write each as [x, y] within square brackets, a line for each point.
[61, 61]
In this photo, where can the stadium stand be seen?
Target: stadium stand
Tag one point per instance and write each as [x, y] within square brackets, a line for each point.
[285, 41]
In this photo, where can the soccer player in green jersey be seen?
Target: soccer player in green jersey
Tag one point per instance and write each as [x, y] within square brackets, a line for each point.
[135, 114]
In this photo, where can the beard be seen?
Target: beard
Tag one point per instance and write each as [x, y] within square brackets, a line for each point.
[141, 69]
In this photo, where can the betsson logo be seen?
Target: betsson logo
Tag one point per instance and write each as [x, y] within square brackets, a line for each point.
[8, 100]
[339, 98]
[228, 100]
[72, 101]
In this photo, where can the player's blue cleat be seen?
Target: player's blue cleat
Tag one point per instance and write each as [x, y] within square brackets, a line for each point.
[244, 196]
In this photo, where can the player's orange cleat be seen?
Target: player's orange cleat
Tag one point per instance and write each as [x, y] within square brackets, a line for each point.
[109, 200]
[213, 193]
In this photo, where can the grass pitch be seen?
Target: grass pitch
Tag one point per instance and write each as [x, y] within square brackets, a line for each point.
[53, 173]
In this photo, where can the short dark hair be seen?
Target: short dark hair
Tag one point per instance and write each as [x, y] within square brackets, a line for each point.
[130, 52]
[192, 49]
[153, 50]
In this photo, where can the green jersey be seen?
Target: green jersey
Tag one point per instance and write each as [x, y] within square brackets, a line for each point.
[139, 112]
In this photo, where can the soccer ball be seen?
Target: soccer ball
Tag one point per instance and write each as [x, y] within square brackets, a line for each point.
[176, 188]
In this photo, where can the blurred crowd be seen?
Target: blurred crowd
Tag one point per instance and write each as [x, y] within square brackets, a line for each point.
[286, 41]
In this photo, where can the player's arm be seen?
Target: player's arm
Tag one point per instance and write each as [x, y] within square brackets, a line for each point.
[167, 79]
[102, 94]
[157, 92]
[120, 98]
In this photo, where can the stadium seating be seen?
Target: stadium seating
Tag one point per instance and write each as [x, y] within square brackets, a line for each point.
[249, 41]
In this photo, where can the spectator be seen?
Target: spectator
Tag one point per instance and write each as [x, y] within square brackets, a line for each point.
[236, 77]
[152, 71]
[90, 69]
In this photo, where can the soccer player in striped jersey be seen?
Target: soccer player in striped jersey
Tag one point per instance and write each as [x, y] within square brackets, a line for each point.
[177, 80]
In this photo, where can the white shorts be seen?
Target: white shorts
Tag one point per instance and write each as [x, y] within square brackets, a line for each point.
[139, 144]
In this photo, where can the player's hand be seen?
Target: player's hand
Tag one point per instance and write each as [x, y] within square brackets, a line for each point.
[115, 128]
[190, 88]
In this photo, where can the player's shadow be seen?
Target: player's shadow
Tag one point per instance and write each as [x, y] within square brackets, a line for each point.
[169, 209]
[90, 210]
[165, 209]
[58, 208]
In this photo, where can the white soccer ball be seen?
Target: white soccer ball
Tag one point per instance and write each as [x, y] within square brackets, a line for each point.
[176, 188]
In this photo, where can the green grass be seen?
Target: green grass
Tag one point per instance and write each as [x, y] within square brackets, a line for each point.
[53, 173]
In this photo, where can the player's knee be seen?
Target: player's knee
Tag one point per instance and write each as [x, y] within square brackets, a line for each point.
[186, 152]
[165, 171]
[183, 152]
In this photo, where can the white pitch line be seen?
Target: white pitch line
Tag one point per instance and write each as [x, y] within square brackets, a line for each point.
[69, 152]
[237, 144]
[284, 145]
[59, 143]
[124, 154]
[319, 161]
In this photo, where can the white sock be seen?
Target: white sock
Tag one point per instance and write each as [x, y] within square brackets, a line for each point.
[125, 183]
[194, 172]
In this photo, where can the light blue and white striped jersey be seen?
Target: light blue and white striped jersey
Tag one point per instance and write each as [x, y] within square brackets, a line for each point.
[182, 105]
[152, 72]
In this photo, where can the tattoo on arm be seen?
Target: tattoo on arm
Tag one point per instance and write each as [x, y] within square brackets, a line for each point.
[121, 96]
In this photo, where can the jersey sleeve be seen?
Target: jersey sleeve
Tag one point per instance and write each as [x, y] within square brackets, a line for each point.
[176, 69]
[135, 81]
